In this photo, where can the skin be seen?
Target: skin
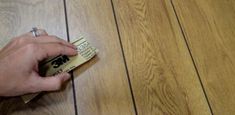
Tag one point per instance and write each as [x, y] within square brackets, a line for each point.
[19, 61]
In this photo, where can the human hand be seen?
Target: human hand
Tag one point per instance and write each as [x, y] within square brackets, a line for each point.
[19, 61]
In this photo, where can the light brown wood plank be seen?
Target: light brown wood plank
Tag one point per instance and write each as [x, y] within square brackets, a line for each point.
[17, 17]
[209, 27]
[161, 70]
[101, 84]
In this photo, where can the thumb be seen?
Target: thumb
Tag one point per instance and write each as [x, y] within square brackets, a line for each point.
[52, 83]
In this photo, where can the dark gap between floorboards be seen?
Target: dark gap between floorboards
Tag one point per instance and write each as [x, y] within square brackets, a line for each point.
[71, 73]
[193, 60]
[124, 59]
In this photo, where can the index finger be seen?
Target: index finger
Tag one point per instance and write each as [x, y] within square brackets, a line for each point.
[52, 38]
[46, 50]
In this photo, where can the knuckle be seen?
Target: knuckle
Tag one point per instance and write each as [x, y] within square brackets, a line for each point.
[58, 87]
[32, 88]
[53, 36]
[61, 49]
[60, 43]
[57, 39]
[19, 40]
[58, 47]
[58, 84]
[31, 47]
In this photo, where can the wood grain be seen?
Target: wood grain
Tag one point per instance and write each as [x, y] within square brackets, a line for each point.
[161, 70]
[17, 17]
[209, 27]
[101, 85]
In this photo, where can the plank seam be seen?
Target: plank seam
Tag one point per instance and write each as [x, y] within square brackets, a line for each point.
[191, 55]
[124, 58]
[71, 73]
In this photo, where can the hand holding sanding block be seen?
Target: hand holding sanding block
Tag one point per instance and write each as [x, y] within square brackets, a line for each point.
[65, 63]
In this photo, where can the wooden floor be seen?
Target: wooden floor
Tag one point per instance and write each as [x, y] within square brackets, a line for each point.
[157, 57]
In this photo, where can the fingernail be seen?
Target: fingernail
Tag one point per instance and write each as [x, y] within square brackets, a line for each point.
[66, 76]
[75, 47]
[75, 52]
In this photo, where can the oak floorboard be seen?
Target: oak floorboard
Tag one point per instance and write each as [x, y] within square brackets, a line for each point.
[101, 84]
[209, 28]
[160, 67]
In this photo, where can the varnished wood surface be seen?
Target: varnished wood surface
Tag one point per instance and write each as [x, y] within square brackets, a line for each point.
[209, 28]
[17, 17]
[161, 70]
[162, 73]
[101, 85]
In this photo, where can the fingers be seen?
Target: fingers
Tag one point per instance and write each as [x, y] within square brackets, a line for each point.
[50, 83]
[54, 82]
[47, 50]
[42, 37]
[47, 39]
